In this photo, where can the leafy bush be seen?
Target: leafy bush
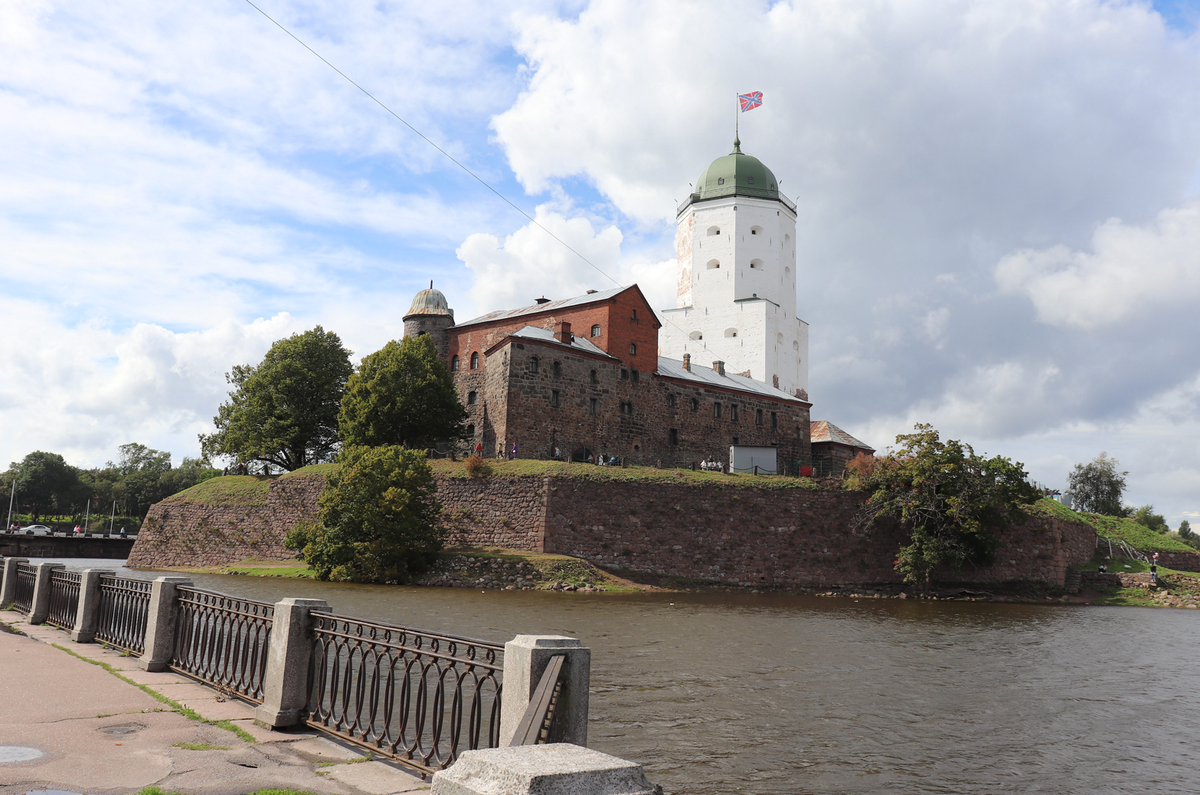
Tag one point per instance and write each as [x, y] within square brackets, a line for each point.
[377, 521]
[476, 467]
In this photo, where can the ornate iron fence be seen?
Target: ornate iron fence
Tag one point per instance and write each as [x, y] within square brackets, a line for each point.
[64, 598]
[415, 696]
[123, 612]
[23, 595]
[222, 640]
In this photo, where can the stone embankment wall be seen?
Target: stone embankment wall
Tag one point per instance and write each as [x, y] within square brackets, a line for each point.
[180, 533]
[731, 534]
[1183, 561]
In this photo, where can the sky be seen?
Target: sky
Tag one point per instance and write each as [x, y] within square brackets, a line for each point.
[999, 202]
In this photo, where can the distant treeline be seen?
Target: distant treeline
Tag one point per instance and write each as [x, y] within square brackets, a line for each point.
[47, 486]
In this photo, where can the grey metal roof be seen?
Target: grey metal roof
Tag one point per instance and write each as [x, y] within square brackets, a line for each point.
[706, 376]
[508, 314]
[826, 431]
[579, 343]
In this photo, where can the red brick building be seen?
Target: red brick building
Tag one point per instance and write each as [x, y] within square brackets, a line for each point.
[581, 377]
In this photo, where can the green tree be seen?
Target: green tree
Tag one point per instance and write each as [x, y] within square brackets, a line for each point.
[378, 520]
[1146, 517]
[284, 412]
[1097, 487]
[402, 394]
[46, 482]
[948, 499]
[1185, 530]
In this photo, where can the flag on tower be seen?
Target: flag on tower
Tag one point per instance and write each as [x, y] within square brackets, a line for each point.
[750, 101]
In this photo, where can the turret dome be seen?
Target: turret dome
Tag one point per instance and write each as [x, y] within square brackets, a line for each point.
[430, 302]
[736, 174]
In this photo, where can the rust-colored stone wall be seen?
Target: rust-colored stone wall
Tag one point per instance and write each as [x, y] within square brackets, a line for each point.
[178, 533]
[732, 534]
[1183, 561]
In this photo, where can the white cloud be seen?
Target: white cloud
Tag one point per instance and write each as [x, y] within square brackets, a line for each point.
[1131, 272]
[530, 263]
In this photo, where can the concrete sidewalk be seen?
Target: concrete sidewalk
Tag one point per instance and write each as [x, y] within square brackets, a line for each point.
[94, 733]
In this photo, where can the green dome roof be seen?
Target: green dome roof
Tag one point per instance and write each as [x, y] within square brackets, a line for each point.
[736, 174]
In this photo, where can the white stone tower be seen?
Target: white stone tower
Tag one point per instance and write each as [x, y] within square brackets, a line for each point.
[736, 302]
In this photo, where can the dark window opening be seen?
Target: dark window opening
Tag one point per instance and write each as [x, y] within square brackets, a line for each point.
[636, 375]
[758, 417]
[475, 361]
[635, 314]
[554, 398]
[534, 364]
[774, 421]
[595, 380]
[471, 397]
[594, 406]
[734, 440]
[624, 374]
[596, 330]
[633, 349]
[695, 404]
[558, 370]
[673, 436]
[470, 430]
[672, 400]
[733, 414]
[626, 407]
[717, 411]
[454, 363]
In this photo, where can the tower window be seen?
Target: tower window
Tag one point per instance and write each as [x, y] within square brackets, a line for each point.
[758, 417]
[624, 374]
[454, 363]
[554, 398]
[756, 264]
[775, 421]
[635, 375]
[716, 411]
[557, 370]
[596, 330]
[471, 397]
[714, 230]
[733, 414]
[713, 264]
[594, 406]
[470, 430]
[595, 380]
[756, 230]
[633, 349]
[696, 335]
[730, 332]
[626, 407]
[634, 315]
[534, 365]
[475, 360]
[673, 436]
[695, 404]
[720, 180]
[672, 400]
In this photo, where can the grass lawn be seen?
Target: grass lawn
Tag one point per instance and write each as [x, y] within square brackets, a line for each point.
[528, 467]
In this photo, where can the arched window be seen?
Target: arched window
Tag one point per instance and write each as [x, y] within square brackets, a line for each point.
[558, 367]
[475, 360]
[720, 180]
[756, 264]
[471, 397]
[696, 335]
[756, 230]
[730, 332]
[714, 230]
[695, 404]
[633, 349]
[454, 363]
[534, 365]
[595, 380]
[596, 330]
[470, 430]
[713, 264]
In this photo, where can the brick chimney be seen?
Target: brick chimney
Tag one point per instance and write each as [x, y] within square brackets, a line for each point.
[719, 367]
[563, 332]
[687, 362]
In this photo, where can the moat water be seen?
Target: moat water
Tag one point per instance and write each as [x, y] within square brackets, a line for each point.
[718, 693]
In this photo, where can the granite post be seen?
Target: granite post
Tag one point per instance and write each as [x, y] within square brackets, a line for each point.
[160, 624]
[285, 682]
[525, 659]
[89, 605]
[552, 769]
[8, 591]
[40, 605]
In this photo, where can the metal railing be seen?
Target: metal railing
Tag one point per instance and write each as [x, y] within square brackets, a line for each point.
[64, 598]
[223, 640]
[418, 697]
[23, 594]
[123, 612]
[1119, 547]
[538, 725]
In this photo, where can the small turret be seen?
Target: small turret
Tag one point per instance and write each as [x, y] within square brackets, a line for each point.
[430, 314]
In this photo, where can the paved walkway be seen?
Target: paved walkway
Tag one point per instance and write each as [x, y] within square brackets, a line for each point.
[94, 733]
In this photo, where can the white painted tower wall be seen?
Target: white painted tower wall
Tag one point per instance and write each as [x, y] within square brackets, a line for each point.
[737, 276]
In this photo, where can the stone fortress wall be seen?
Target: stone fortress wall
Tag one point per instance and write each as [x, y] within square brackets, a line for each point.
[730, 534]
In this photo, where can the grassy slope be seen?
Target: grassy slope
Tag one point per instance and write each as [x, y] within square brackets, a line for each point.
[1138, 536]
[590, 472]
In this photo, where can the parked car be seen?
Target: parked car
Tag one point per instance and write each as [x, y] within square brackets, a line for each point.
[37, 530]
